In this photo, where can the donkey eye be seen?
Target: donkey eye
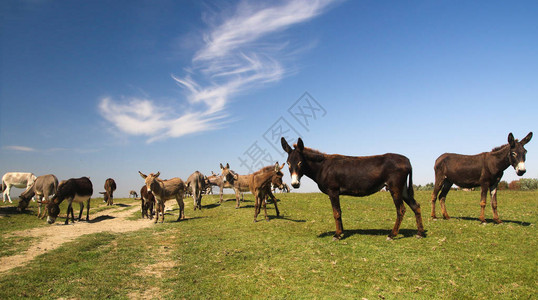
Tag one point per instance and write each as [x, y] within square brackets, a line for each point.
[299, 164]
[514, 154]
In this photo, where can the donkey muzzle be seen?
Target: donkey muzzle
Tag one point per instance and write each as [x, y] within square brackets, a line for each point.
[520, 169]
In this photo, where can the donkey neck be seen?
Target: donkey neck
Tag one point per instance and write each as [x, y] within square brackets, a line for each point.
[265, 178]
[500, 157]
[313, 168]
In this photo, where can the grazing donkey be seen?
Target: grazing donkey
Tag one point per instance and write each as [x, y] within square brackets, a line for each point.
[239, 182]
[355, 176]
[44, 186]
[108, 195]
[133, 193]
[78, 190]
[260, 186]
[485, 170]
[16, 179]
[164, 190]
[195, 185]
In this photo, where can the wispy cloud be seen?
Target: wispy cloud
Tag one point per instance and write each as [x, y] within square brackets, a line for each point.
[239, 53]
[19, 148]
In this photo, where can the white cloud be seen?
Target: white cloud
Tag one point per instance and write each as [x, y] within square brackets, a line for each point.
[19, 148]
[232, 60]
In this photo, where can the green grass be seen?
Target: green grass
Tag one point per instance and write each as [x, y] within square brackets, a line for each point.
[220, 253]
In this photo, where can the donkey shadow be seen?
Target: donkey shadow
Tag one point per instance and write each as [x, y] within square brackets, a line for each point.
[521, 223]
[373, 232]
[100, 219]
[282, 217]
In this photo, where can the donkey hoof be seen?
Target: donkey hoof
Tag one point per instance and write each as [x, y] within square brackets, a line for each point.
[390, 238]
[498, 221]
[419, 236]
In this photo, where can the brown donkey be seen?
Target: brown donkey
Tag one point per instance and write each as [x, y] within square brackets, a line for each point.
[355, 176]
[260, 186]
[164, 190]
[484, 170]
[239, 183]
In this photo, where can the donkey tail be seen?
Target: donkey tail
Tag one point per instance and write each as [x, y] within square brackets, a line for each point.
[410, 190]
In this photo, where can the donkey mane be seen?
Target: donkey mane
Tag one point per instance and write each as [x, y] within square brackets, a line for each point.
[313, 154]
[265, 170]
[316, 155]
[500, 148]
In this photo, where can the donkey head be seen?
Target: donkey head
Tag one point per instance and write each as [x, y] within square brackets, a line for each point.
[150, 180]
[24, 200]
[227, 174]
[295, 161]
[53, 209]
[276, 180]
[518, 152]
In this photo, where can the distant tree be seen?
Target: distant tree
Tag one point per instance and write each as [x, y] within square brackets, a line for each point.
[527, 184]
[514, 185]
[427, 187]
[503, 185]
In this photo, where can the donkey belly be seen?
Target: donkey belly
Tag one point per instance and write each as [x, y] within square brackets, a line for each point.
[81, 198]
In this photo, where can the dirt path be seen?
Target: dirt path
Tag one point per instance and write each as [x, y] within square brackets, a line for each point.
[53, 236]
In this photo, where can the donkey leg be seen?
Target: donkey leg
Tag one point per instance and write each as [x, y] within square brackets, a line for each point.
[237, 198]
[436, 189]
[276, 206]
[256, 208]
[415, 206]
[157, 211]
[400, 211]
[337, 214]
[493, 193]
[69, 210]
[483, 200]
[81, 204]
[181, 204]
[442, 198]
[88, 210]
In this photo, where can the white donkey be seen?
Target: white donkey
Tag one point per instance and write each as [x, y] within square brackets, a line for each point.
[16, 179]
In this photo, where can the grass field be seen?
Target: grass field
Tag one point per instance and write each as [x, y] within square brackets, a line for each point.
[220, 253]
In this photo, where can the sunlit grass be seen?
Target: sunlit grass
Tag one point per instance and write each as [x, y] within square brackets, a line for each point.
[221, 253]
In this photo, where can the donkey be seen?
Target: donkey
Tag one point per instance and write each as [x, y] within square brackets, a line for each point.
[78, 190]
[148, 202]
[18, 180]
[355, 176]
[164, 190]
[220, 181]
[44, 186]
[108, 195]
[485, 170]
[239, 182]
[260, 186]
[195, 185]
[133, 193]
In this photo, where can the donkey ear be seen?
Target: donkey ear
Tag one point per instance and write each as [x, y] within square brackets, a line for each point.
[526, 139]
[285, 145]
[158, 174]
[511, 140]
[221, 167]
[142, 175]
[300, 145]
[282, 166]
[227, 165]
[277, 167]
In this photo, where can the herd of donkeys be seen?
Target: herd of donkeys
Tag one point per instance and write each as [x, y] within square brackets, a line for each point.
[334, 174]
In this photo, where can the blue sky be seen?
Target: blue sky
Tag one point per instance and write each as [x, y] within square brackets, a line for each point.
[107, 88]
